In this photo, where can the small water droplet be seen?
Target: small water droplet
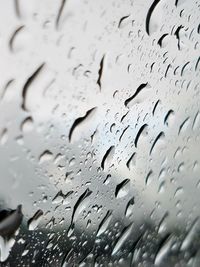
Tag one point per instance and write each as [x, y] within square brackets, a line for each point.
[45, 156]
[4, 136]
[27, 125]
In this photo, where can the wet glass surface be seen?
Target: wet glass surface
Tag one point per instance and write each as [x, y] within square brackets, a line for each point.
[100, 133]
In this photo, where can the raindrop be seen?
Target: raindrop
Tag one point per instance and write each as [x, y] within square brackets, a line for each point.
[12, 39]
[161, 188]
[149, 27]
[58, 198]
[183, 125]
[160, 41]
[78, 122]
[131, 161]
[17, 9]
[196, 65]
[179, 191]
[128, 102]
[34, 221]
[178, 35]
[190, 235]
[155, 106]
[107, 180]
[169, 117]
[60, 11]
[124, 116]
[122, 21]
[122, 238]
[122, 188]
[45, 156]
[141, 130]
[27, 125]
[148, 179]
[104, 223]
[80, 205]
[129, 207]
[100, 72]
[162, 225]
[163, 250]
[107, 157]
[184, 68]
[6, 87]
[120, 138]
[196, 121]
[28, 83]
[159, 138]
[4, 136]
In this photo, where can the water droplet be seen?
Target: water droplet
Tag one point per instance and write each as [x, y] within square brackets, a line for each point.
[80, 124]
[80, 205]
[104, 223]
[129, 207]
[34, 221]
[131, 161]
[154, 17]
[122, 188]
[123, 21]
[27, 125]
[100, 72]
[130, 101]
[45, 156]
[122, 238]
[168, 120]
[149, 176]
[190, 235]
[164, 249]
[184, 125]
[159, 139]
[107, 157]
[28, 83]
[4, 136]
[60, 12]
[142, 130]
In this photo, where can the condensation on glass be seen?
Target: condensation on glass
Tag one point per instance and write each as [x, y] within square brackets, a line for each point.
[100, 133]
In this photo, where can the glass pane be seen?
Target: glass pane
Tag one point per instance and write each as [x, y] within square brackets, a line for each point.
[99, 133]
